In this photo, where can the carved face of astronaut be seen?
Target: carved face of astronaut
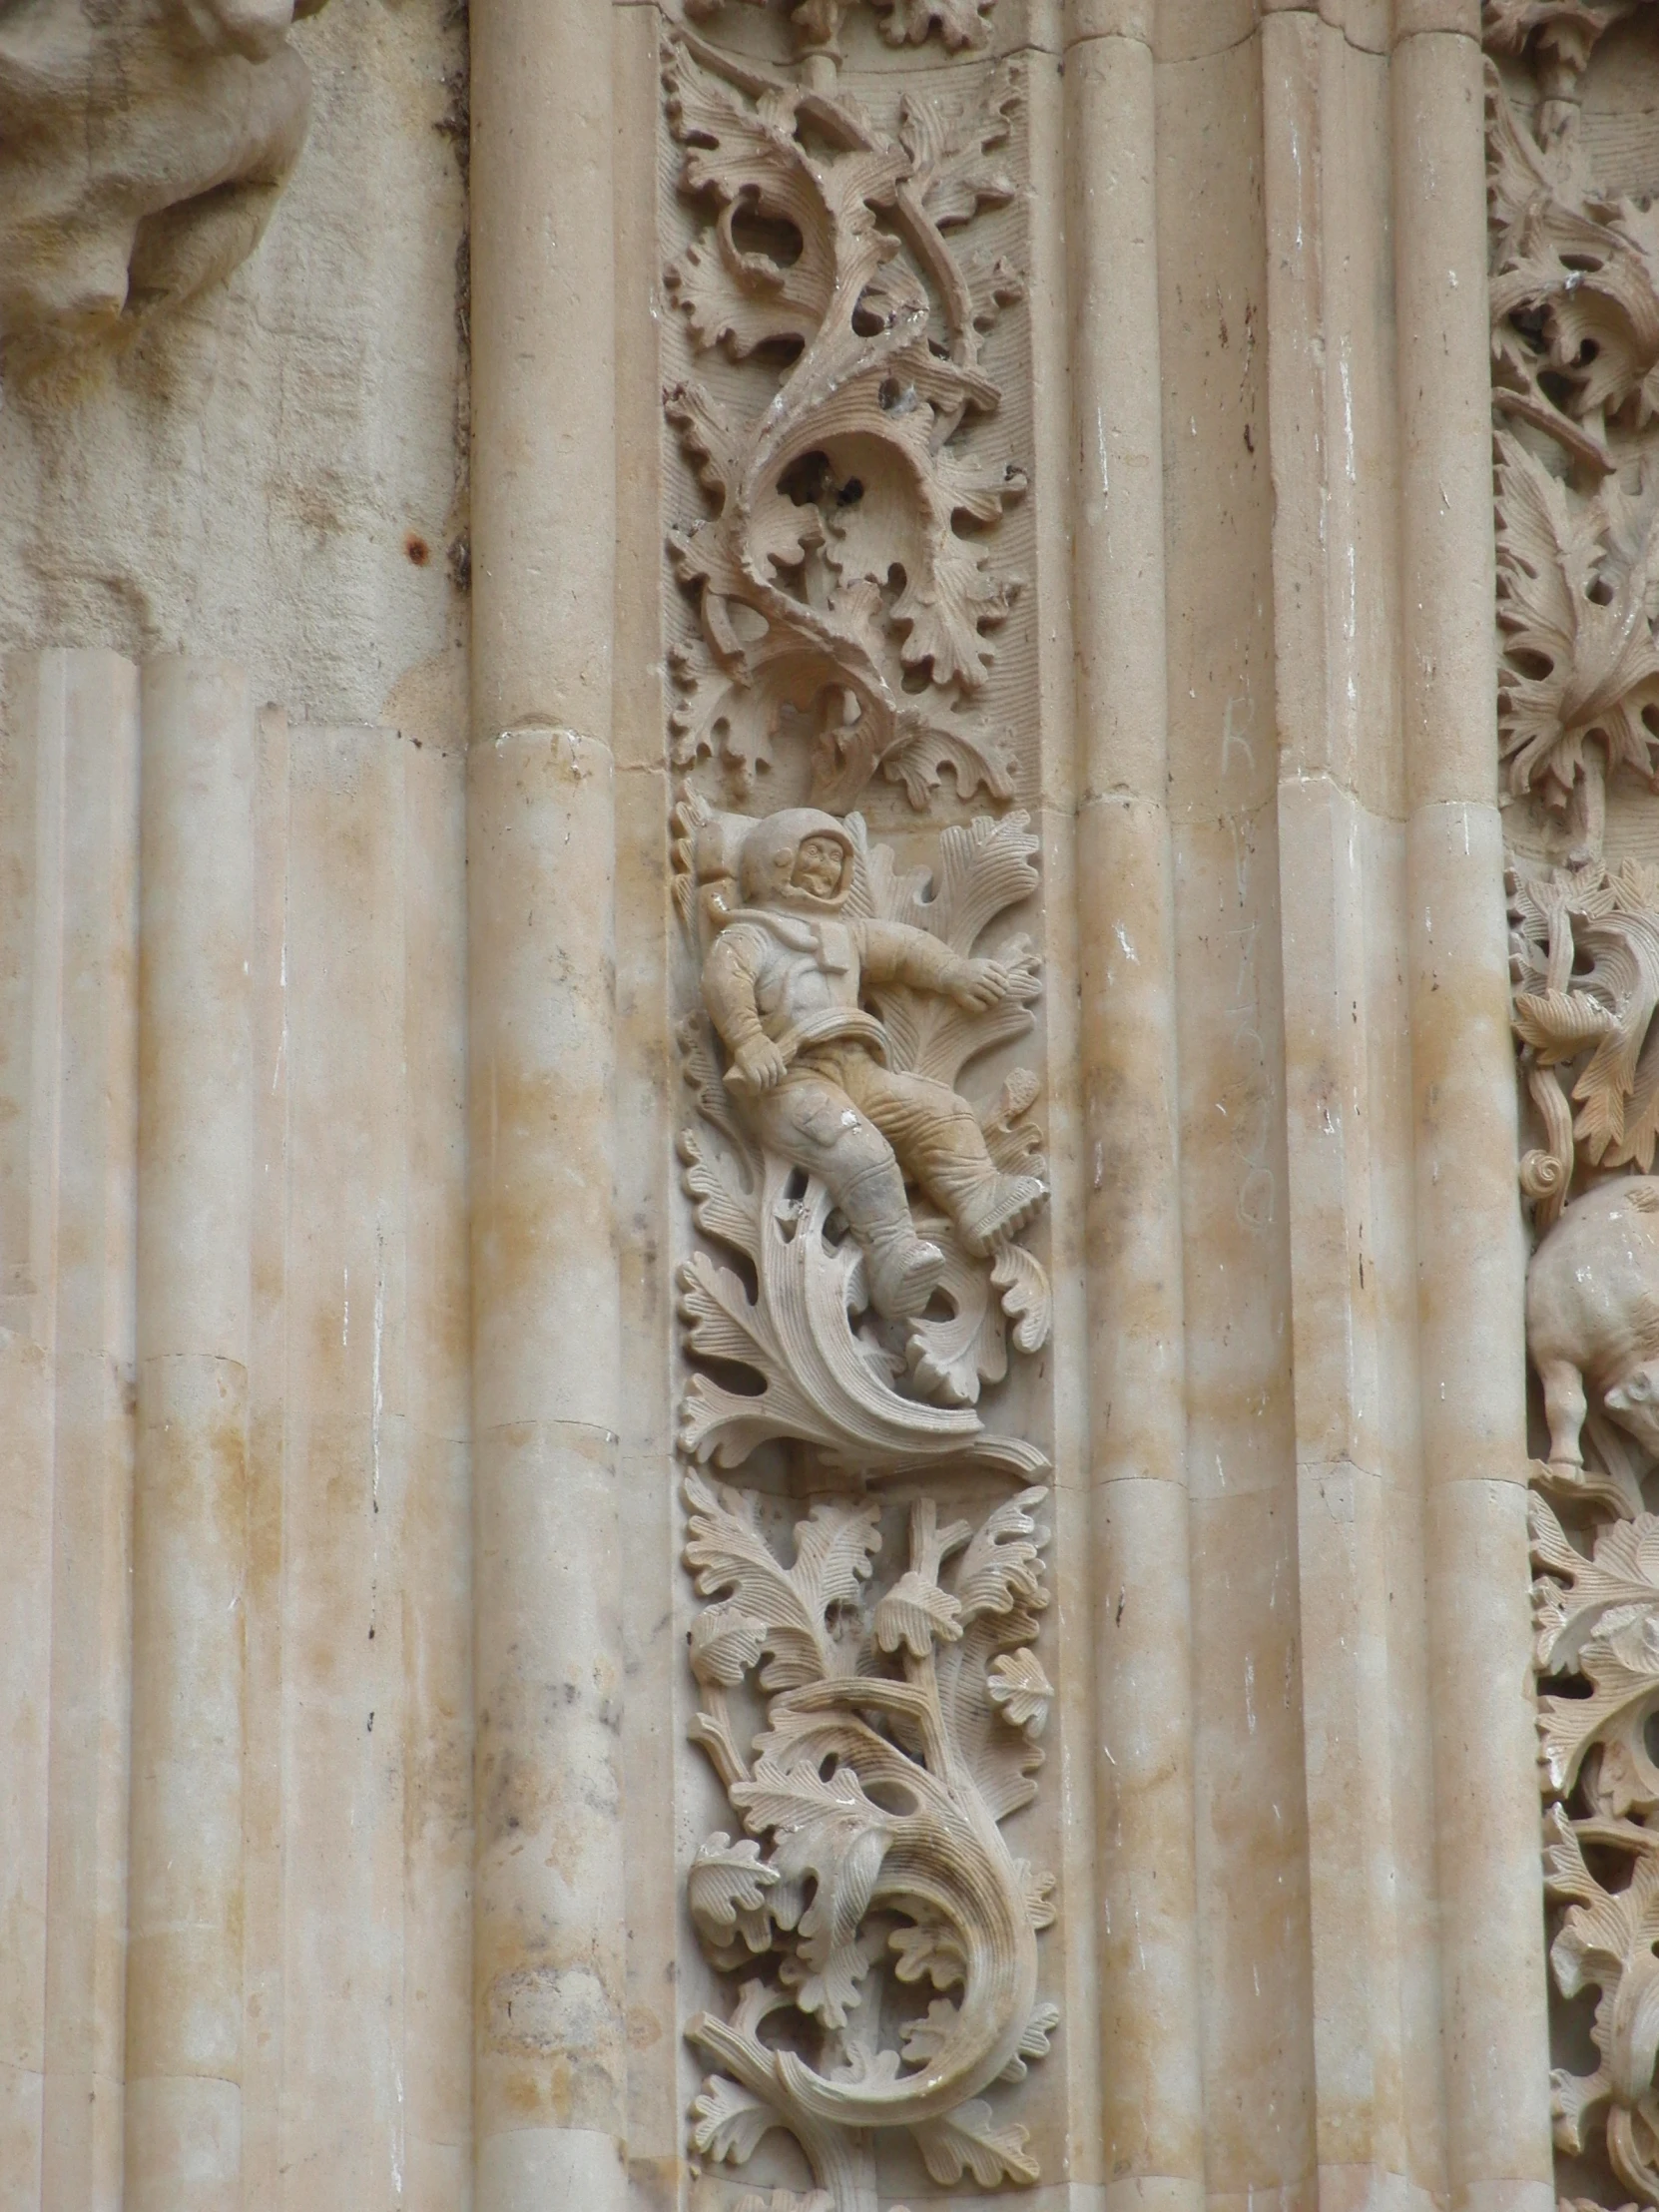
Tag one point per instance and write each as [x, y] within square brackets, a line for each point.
[818, 868]
[799, 860]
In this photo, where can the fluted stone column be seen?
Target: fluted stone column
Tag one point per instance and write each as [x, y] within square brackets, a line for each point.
[549, 2048]
[1151, 2085]
[1470, 1254]
[69, 723]
[195, 1178]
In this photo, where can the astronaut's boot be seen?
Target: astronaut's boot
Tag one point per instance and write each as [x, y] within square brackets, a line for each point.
[902, 1270]
[1000, 1206]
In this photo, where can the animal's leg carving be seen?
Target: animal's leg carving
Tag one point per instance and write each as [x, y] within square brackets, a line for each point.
[1565, 1407]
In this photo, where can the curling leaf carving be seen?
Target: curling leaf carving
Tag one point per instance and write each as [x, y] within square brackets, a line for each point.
[1598, 1617]
[845, 572]
[1584, 962]
[1579, 583]
[1575, 313]
[873, 1798]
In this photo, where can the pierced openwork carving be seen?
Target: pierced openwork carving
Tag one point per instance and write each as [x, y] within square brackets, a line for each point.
[1598, 1625]
[874, 1879]
[1584, 957]
[1575, 351]
[847, 575]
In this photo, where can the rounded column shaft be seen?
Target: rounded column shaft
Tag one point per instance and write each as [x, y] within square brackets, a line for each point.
[1151, 2084]
[1471, 1251]
[195, 1190]
[549, 2050]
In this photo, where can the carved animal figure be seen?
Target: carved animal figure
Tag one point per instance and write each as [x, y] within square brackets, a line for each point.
[143, 147]
[1592, 1313]
[781, 984]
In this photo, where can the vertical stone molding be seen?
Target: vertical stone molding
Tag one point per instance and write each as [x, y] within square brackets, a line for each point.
[1469, 1254]
[549, 1914]
[358, 1783]
[68, 1067]
[195, 1200]
[1150, 2059]
[298, 1832]
[549, 2045]
[1331, 438]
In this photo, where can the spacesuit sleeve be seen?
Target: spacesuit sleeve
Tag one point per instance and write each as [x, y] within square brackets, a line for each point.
[893, 952]
[729, 988]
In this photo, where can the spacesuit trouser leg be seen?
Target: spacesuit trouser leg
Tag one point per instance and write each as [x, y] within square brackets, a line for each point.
[934, 1132]
[811, 1121]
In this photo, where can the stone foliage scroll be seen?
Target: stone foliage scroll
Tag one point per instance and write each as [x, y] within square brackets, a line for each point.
[845, 571]
[859, 1279]
[1576, 389]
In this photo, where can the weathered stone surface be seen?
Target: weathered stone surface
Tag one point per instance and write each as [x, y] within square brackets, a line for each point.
[141, 150]
[765, 1285]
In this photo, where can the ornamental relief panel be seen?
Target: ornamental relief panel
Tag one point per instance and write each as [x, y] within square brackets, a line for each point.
[1576, 389]
[858, 891]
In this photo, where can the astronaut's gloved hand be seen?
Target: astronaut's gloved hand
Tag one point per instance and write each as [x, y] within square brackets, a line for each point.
[978, 984]
[760, 1065]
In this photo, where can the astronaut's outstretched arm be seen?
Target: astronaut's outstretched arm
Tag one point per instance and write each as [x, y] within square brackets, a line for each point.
[893, 952]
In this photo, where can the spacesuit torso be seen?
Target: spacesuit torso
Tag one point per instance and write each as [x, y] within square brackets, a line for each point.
[804, 975]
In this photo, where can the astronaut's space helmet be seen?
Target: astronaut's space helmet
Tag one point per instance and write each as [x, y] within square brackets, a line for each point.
[769, 855]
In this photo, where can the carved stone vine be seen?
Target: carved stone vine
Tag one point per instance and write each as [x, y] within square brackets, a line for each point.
[1576, 389]
[846, 570]
[860, 1283]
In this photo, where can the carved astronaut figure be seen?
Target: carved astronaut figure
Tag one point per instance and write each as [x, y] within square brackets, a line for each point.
[781, 984]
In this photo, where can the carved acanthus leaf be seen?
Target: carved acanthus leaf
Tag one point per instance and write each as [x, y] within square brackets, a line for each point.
[1599, 1619]
[1565, 31]
[1575, 313]
[969, 2141]
[1578, 579]
[791, 1609]
[1584, 955]
[959, 23]
[1607, 1943]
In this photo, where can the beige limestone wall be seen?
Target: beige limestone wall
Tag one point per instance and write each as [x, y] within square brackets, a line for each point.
[264, 1935]
[358, 1852]
[244, 476]
[350, 1798]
